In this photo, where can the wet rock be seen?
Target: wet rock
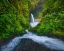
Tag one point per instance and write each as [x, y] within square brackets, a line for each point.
[29, 45]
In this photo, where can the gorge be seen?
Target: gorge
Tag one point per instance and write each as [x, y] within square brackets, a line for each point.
[51, 43]
[31, 25]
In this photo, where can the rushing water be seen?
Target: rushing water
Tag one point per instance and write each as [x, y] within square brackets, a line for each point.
[32, 18]
[51, 43]
[33, 23]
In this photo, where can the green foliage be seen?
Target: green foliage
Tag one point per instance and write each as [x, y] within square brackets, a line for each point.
[52, 22]
[12, 23]
[32, 4]
[38, 15]
[14, 17]
[52, 6]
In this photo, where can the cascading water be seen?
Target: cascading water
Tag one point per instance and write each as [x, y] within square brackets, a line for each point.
[32, 18]
[33, 23]
[51, 43]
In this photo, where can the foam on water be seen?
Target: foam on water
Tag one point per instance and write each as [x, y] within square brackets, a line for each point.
[33, 23]
[51, 43]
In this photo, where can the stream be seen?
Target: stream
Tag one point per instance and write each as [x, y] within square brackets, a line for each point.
[49, 42]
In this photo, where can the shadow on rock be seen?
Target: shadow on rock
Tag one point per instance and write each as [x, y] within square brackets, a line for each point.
[29, 45]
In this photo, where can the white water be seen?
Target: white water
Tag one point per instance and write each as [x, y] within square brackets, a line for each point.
[33, 23]
[51, 43]
[32, 18]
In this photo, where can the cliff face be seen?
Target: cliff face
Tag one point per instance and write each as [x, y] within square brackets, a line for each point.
[37, 11]
[39, 7]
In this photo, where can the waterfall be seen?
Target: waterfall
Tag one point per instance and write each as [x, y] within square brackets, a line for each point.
[33, 23]
[51, 43]
[32, 18]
